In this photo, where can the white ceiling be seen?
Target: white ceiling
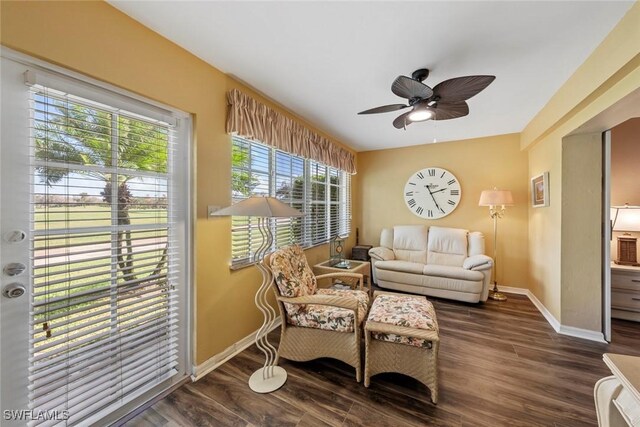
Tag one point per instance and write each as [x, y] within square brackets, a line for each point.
[326, 61]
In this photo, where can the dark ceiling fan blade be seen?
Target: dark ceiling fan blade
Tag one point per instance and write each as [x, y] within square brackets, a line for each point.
[406, 87]
[384, 109]
[461, 88]
[402, 121]
[450, 110]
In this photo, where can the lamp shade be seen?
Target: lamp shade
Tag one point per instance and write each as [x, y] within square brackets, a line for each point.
[626, 218]
[266, 207]
[495, 198]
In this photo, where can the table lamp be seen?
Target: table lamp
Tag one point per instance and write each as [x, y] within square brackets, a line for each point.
[626, 218]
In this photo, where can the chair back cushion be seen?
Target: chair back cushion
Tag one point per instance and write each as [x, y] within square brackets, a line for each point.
[292, 274]
[447, 246]
[410, 243]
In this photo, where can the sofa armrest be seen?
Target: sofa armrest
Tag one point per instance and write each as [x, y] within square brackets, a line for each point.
[478, 263]
[381, 253]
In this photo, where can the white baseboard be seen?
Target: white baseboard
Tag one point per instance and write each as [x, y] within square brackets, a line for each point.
[215, 361]
[513, 290]
[555, 324]
[582, 333]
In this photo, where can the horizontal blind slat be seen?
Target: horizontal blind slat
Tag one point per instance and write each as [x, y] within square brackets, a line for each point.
[93, 332]
[70, 384]
[78, 350]
[67, 319]
[74, 329]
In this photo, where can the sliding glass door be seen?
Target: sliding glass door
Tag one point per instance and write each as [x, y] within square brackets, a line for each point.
[96, 182]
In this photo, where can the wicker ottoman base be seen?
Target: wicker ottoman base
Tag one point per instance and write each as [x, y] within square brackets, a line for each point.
[420, 363]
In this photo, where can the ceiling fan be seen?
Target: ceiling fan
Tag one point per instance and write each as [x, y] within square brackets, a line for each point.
[445, 101]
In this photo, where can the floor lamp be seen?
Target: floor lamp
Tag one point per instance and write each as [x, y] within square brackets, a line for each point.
[270, 377]
[493, 199]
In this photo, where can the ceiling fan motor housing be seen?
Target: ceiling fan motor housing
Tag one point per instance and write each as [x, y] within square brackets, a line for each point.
[420, 74]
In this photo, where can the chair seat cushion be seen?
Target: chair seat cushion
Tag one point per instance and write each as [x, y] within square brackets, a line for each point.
[328, 317]
[407, 311]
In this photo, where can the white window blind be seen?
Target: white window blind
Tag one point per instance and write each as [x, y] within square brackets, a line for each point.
[104, 308]
[321, 192]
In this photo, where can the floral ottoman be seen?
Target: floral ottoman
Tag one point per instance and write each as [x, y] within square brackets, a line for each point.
[401, 335]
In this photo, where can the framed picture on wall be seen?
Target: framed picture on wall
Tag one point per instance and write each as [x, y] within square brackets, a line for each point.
[540, 190]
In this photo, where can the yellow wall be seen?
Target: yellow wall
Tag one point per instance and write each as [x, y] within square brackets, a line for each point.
[544, 245]
[581, 253]
[610, 73]
[625, 163]
[479, 164]
[95, 39]
[616, 57]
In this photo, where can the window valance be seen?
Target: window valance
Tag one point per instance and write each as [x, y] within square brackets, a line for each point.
[251, 119]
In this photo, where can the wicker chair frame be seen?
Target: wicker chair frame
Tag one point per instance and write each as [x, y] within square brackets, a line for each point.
[420, 363]
[302, 344]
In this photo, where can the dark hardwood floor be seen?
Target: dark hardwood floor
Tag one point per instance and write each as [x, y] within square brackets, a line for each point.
[500, 364]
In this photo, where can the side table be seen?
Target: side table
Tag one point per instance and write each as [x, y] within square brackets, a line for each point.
[362, 267]
[625, 292]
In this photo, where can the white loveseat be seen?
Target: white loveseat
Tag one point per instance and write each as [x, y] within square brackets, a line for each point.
[435, 261]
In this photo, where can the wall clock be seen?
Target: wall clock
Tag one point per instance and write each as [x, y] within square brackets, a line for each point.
[432, 193]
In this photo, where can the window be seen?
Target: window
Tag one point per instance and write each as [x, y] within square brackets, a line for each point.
[106, 244]
[321, 192]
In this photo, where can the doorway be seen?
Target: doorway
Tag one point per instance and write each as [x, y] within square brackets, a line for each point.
[622, 192]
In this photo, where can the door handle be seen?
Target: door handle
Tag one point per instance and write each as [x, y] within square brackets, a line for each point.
[14, 268]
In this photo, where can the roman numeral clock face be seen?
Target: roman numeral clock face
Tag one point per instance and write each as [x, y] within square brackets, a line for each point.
[432, 193]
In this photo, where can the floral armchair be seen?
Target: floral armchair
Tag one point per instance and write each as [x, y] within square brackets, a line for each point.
[316, 322]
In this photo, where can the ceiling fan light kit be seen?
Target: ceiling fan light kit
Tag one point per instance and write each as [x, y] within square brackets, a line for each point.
[420, 114]
[447, 100]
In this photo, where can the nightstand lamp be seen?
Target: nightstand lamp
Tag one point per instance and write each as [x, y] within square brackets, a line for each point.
[626, 218]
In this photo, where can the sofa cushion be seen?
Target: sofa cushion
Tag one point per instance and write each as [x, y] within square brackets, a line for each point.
[410, 243]
[447, 246]
[419, 283]
[404, 266]
[450, 272]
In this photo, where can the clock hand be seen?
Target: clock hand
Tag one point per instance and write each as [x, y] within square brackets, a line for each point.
[437, 191]
[434, 200]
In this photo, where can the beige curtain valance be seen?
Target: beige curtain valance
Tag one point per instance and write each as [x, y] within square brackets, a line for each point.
[251, 119]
